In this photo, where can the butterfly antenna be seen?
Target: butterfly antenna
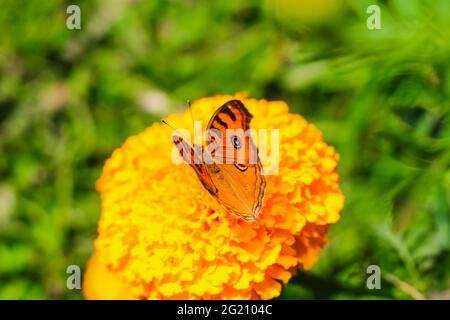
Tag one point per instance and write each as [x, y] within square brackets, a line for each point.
[163, 121]
[190, 111]
[175, 130]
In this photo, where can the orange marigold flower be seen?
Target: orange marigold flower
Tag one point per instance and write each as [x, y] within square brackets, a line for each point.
[162, 236]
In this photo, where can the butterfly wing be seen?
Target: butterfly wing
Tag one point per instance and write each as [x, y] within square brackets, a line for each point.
[240, 191]
[237, 170]
[226, 136]
[193, 157]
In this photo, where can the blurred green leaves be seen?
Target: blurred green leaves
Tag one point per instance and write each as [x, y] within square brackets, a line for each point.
[68, 98]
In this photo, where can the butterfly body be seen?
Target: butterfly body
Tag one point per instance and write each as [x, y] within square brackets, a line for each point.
[229, 167]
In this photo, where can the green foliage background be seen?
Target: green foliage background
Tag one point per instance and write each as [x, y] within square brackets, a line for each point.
[381, 97]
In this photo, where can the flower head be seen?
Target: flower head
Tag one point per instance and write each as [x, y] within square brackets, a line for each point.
[163, 236]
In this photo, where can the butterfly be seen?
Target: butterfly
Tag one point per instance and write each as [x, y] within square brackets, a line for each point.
[229, 167]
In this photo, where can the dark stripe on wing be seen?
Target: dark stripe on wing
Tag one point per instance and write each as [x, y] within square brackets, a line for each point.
[199, 167]
[230, 113]
[222, 123]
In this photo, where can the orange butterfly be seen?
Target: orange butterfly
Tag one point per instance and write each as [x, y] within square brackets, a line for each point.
[229, 168]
